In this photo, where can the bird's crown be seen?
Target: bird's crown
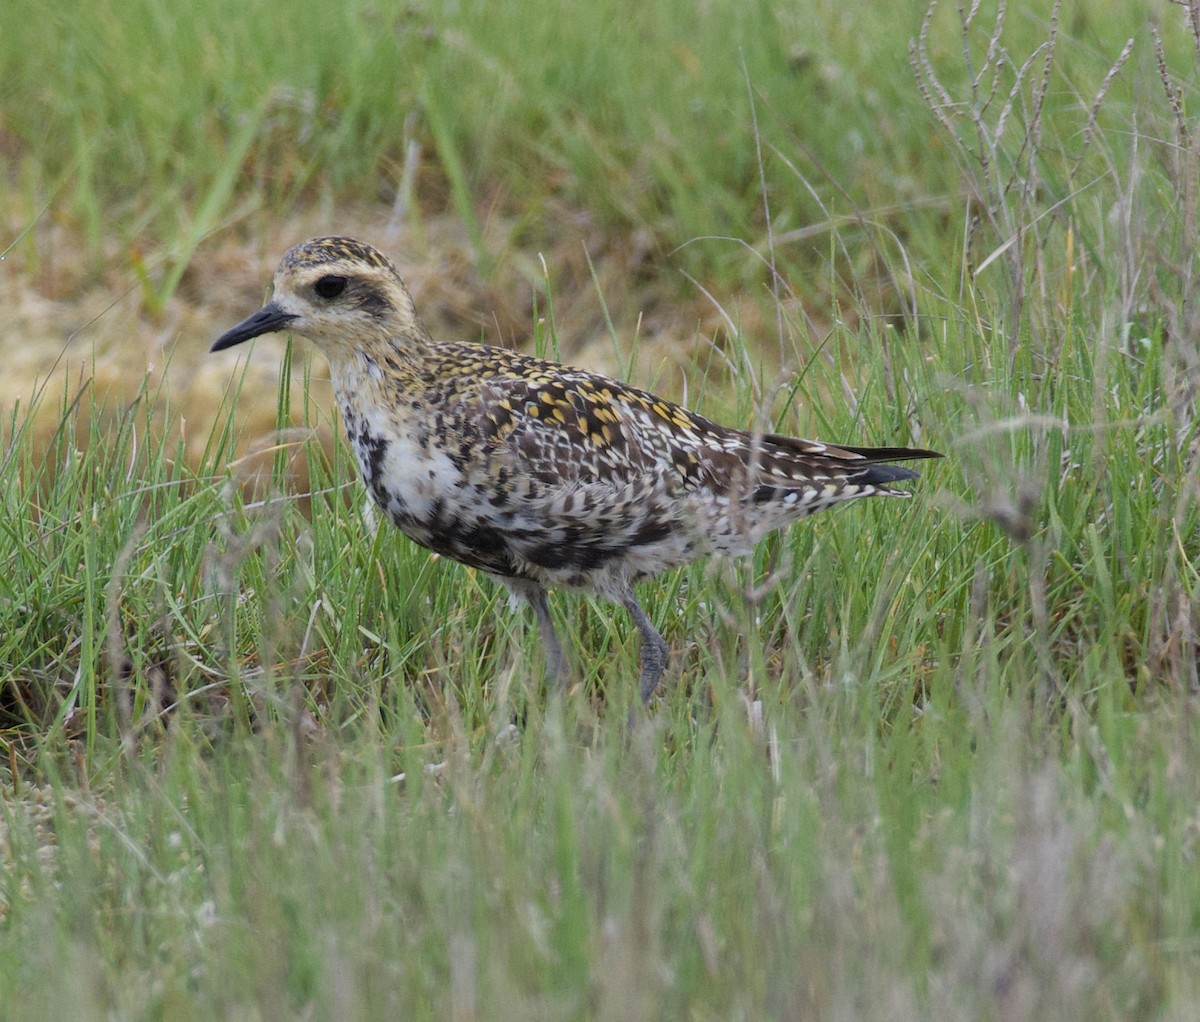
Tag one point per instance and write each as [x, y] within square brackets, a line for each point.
[321, 252]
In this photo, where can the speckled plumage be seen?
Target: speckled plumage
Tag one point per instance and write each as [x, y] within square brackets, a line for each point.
[537, 473]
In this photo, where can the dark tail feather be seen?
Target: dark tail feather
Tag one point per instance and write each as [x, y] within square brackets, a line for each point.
[866, 466]
[882, 475]
[887, 453]
[877, 472]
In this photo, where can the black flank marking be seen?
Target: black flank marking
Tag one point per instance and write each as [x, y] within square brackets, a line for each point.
[481, 538]
[548, 556]
[478, 545]
[373, 449]
[651, 531]
[571, 552]
[524, 535]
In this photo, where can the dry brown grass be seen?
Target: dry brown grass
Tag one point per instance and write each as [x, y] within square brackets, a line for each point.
[68, 324]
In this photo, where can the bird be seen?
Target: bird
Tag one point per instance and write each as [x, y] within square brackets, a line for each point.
[536, 473]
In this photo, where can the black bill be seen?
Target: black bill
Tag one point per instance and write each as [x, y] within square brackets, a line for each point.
[267, 320]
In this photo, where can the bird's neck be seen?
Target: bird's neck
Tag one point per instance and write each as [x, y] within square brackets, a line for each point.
[374, 371]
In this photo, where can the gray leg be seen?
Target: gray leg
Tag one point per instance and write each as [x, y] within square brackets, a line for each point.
[556, 660]
[535, 595]
[654, 648]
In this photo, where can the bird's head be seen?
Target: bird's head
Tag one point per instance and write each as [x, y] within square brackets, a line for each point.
[341, 294]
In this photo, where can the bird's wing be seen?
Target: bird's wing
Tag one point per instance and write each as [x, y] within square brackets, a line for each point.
[580, 480]
[581, 428]
[584, 470]
[575, 429]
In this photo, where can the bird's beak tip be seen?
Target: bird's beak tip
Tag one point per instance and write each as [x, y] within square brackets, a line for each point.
[267, 320]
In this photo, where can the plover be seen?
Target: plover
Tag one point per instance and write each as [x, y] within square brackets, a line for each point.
[537, 473]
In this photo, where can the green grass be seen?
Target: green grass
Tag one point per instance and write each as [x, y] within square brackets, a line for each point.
[641, 116]
[926, 759]
[957, 800]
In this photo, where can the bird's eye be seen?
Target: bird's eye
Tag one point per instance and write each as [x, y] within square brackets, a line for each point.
[330, 287]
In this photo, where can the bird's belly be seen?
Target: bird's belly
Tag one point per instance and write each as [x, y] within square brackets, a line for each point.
[451, 498]
[517, 527]
[424, 490]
